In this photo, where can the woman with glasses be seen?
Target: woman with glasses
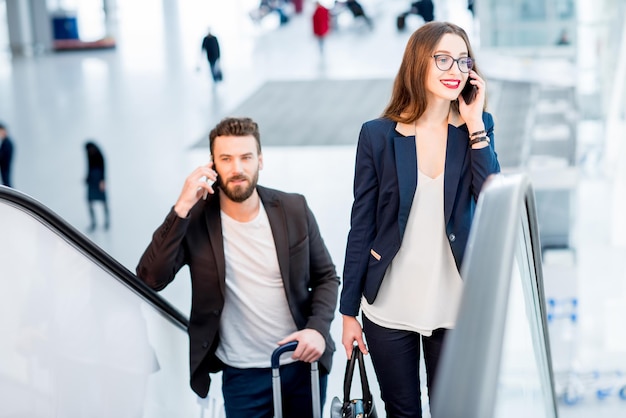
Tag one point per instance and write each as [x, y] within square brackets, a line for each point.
[419, 170]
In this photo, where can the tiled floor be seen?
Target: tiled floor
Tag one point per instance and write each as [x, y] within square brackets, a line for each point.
[147, 105]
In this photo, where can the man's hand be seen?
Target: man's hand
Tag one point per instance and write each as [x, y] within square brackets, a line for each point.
[196, 185]
[311, 345]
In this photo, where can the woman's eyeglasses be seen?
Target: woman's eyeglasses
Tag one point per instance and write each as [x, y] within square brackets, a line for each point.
[444, 62]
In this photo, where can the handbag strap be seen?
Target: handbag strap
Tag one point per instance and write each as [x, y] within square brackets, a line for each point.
[365, 387]
[347, 378]
[357, 356]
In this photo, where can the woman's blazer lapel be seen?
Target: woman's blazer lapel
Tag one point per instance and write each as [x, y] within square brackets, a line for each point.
[456, 151]
[406, 170]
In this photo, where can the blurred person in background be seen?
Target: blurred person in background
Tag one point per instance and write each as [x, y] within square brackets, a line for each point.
[6, 156]
[358, 12]
[425, 9]
[96, 184]
[211, 46]
[321, 24]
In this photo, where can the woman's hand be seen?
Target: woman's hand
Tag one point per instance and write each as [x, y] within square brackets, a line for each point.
[352, 332]
[472, 113]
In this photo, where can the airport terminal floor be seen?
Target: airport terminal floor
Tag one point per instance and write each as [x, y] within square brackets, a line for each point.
[150, 103]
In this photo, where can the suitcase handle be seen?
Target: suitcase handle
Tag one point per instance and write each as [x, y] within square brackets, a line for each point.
[290, 346]
[276, 392]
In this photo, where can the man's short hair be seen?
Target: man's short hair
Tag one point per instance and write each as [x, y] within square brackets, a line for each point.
[232, 126]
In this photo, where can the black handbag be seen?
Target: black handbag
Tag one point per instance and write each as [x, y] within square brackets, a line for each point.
[354, 408]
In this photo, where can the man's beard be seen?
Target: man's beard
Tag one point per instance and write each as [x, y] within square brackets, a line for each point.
[239, 193]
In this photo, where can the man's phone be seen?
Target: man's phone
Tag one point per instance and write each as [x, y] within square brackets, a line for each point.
[210, 182]
[469, 92]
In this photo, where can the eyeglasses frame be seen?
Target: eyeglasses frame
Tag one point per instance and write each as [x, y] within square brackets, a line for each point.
[469, 67]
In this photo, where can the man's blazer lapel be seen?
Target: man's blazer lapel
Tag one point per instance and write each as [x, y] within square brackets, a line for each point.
[216, 240]
[278, 223]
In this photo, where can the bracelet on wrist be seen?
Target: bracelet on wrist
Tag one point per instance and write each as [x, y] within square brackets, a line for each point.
[479, 139]
[477, 133]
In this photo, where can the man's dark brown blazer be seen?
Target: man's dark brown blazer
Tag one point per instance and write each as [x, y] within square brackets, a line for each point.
[309, 275]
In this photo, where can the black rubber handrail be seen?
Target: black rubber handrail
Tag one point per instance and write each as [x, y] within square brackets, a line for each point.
[57, 224]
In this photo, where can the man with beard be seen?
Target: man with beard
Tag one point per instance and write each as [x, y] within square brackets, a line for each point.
[261, 277]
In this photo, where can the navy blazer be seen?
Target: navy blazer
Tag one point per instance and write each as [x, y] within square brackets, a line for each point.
[385, 181]
[309, 276]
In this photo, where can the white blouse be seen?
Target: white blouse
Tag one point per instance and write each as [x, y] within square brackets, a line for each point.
[422, 288]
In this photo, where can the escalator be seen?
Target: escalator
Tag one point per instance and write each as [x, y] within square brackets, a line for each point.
[81, 336]
[497, 362]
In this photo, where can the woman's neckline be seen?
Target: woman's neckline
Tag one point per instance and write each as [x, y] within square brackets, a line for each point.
[411, 131]
[408, 129]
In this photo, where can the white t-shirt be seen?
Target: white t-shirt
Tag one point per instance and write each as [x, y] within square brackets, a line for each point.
[256, 314]
[421, 290]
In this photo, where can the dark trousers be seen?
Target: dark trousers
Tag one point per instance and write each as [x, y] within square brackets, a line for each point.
[92, 214]
[396, 355]
[5, 173]
[216, 70]
[248, 392]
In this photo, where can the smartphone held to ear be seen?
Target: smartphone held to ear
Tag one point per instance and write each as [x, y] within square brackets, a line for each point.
[210, 183]
[469, 92]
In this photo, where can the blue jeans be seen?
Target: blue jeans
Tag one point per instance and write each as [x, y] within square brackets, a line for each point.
[396, 355]
[248, 392]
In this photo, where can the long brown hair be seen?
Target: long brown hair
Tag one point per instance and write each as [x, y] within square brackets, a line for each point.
[408, 97]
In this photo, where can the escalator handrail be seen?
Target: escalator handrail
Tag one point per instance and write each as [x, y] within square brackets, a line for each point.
[533, 224]
[467, 377]
[45, 215]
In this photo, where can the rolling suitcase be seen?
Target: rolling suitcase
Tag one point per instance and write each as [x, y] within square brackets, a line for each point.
[276, 390]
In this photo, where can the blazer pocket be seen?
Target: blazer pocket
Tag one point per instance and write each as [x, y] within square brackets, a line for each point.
[299, 246]
[375, 255]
